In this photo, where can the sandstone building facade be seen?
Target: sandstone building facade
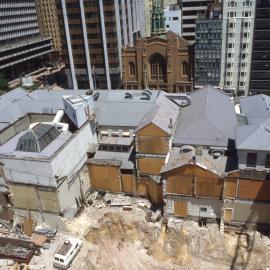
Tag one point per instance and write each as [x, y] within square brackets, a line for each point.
[159, 62]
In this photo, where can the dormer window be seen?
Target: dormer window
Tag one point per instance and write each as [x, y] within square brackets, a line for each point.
[251, 159]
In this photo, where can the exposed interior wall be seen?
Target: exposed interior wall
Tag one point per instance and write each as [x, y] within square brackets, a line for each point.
[105, 177]
[148, 165]
[129, 183]
[193, 180]
[153, 145]
[230, 188]
[252, 189]
[152, 140]
[34, 198]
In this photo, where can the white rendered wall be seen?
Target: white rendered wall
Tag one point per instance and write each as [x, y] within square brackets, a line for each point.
[172, 24]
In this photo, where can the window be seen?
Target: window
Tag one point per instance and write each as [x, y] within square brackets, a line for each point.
[158, 67]
[232, 4]
[251, 159]
[184, 68]
[203, 209]
[132, 68]
[175, 18]
[267, 161]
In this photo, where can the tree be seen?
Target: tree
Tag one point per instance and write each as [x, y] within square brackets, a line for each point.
[3, 82]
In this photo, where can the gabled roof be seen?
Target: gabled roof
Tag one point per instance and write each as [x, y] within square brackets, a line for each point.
[253, 137]
[204, 161]
[256, 108]
[163, 115]
[209, 120]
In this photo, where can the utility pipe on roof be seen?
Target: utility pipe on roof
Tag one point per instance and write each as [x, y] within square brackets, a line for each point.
[56, 122]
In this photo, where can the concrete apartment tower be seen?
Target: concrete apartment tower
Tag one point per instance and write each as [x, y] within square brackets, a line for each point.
[22, 48]
[93, 34]
[260, 64]
[238, 24]
[208, 46]
[190, 11]
[49, 24]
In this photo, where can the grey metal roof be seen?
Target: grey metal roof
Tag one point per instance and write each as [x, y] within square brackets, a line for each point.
[116, 140]
[163, 115]
[209, 120]
[18, 102]
[256, 108]
[123, 158]
[206, 161]
[37, 138]
[253, 137]
[113, 109]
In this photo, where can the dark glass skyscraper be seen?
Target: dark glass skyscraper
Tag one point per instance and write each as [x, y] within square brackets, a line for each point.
[208, 36]
[260, 65]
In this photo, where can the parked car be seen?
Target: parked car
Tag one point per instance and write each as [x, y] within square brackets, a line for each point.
[67, 252]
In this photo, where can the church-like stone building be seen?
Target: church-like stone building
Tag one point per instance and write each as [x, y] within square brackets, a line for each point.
[161, 61]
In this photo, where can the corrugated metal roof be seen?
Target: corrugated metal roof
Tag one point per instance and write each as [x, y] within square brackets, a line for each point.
[124, 158]
[163, 115]
[209, 120]
[216, 165]
[256, 108]
[253, 137]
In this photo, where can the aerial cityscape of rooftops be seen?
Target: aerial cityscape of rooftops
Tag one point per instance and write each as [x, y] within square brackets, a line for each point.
[134, 134]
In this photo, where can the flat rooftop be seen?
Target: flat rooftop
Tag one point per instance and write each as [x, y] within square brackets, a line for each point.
[8, 149]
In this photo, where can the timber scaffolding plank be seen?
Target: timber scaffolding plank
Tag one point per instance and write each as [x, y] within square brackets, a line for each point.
[16, 249]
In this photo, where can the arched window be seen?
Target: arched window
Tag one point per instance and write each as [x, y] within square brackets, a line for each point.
[158, 67]
[184, 68]
[132, 68]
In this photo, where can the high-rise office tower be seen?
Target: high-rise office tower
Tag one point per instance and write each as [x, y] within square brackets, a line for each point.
[49, 24]
[22, 48]
[238, 23]
[190, 11]
[93, 35]
[208, 46]
[260, 64]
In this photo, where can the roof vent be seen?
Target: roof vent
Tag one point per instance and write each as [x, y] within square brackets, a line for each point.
[148, 91]
[89, 92]
[216, 153]
[184, 101]
[128, 95]
[96, 96]
[145, 96]
[186, 149]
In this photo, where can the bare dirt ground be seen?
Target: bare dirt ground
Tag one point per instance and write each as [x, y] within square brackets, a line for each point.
[122, 240]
